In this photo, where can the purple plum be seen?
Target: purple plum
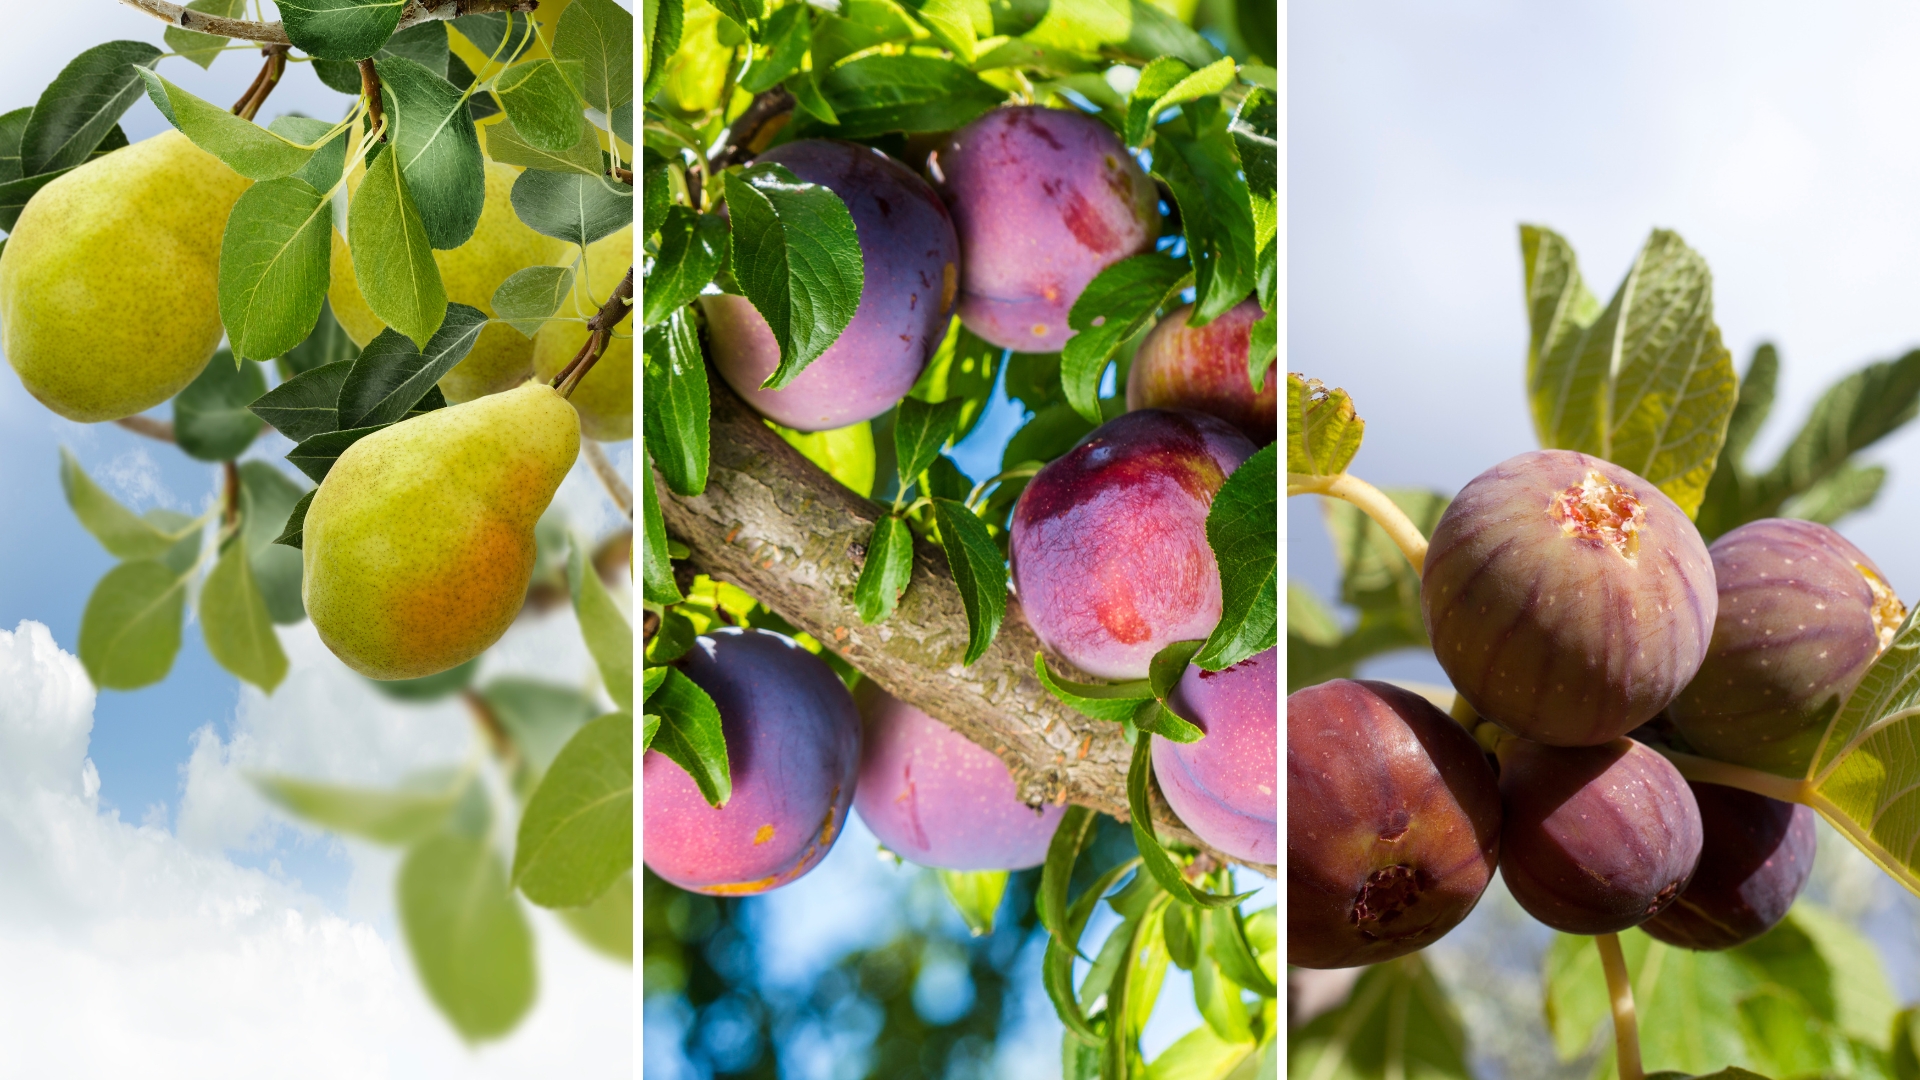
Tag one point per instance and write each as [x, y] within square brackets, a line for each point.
[1223, 787]
[1204, 368]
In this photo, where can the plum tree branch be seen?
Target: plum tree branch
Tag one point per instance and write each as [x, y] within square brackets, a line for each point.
[774, 524]
[274, 33]
[1373, 501]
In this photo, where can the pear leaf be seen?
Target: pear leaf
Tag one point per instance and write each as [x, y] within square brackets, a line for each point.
[211, 421]
[391, 377]
[541, 99]
[204, 49]
[392, 256]
[82, 105]
[439, 152]
[531, 296]
[340, 29]
[608, 635]
[274, 263]
[598, 34]
[247, 148]
[576, 837]
[414, 811]
[470, 941]
[307, 404]
[233, 616]
[571, 207]
[125, 534]
[130, 630]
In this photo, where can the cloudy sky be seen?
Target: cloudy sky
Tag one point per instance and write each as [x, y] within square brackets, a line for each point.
[157, 918]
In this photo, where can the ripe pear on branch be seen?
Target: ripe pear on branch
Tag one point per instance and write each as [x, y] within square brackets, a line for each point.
[110, 282]
[419, 545]
[501, 244]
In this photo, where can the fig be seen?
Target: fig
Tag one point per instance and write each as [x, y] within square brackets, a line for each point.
[1756, 858]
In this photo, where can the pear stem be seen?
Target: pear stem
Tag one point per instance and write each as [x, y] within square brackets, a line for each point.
[148, 426]
[249, 104]
[599, 332]
[370, 86]
[610, 477]
[274, 33]
[230, 517]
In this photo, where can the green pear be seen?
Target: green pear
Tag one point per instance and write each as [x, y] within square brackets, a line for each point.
[110, 283]
[501, 244]
[605, 396]
[418, 546]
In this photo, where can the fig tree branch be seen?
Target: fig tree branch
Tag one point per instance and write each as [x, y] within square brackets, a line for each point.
[1626, 1029]
[610, 477]
[772, 523]
[273, 33]
[599, 332]
[1371, 500]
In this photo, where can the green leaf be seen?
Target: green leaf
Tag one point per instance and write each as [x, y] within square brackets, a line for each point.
[846, 453]
[668, 19]
[978, 572]
[423, 43]
[15, 193]
[887, 570]
[315, 455]
[541, 717]
[82, 105]
[328, 344]
[1323, 433]
[469, 940]
[1863, 762]
[1397, 1021]
[690, 735]
[506, 145]
[203, 49]
[1848, 489]
[1070, 837]
[975, 894]
[1154, 857]
[598, 34]
[920, 431]
[607, 923]
[1056, 970]
[1168, 82]
[210, 416]
[788, 35]
[1117, 304]
[1855, 412]
[693, 246]
[274, 261]
[1201, 1054]
[340, 29]
[531, 296]
[326, 162]
[290, 534]
[130, 629]
[879, 93]
[233, 616]
[608, 636]
[571, 207]
[1115, 702]
[267, 500]
[1255, 131]
[576, 837]
[307, 404]
[805, 89]
[676, 404]
[542, 100]
[797, 257]
[1243, 530]
[1645, 382]
[417, 809]
[247, 148]
[1205, 177]
[123, 533]
[438, 151]
[1227, 944]
[392, 256]
[391, 376]
[656, 567]
[957, 24]
[964, 369]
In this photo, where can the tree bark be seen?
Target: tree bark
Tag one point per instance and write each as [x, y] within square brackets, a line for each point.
[777, 526]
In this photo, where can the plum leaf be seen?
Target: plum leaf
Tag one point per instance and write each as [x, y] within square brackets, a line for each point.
[470, 941]
[392, 255]
[887, 570]
[963, 368]
[1204, 172]
[1645, 382]
[920, 431]
[1116, 305]
[797, 258]
[693, 246]
[576, 837]
[690, 734]
[656, 567]
[1396, 1021]
[979, 572]
[975, 894]
[1116, 702]
[274, 262]
[879, 93]
[1153, 856]
[1167, 82]
[664, 23]
[1243, 530]
[676, 403]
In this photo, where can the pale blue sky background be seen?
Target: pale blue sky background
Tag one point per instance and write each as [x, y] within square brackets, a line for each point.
[1781, 140]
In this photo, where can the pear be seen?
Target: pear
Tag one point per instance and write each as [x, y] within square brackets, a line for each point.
[605, 396]
[418, 546]
[110, 283]
[500, 245]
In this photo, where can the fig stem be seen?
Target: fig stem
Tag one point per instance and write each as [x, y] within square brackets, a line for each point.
[1373, 501]
[1709, 771]
[1626, 1030]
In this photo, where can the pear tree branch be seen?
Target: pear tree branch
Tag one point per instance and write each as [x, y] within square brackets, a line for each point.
[370, 88]
[249, 104]
[159, 430]
[772, 523]
[599, 332]
[273, 33]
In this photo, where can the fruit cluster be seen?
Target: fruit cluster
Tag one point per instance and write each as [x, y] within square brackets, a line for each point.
[1586, 624]
[1108, 544]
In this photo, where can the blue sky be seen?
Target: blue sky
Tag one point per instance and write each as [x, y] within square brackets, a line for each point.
[140, 873]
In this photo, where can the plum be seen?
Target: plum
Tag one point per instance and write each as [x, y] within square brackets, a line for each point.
[1757, 857]
[1802, 615]
[1223, 786]
[1109, 542]
[1204, 368]
[936, 799]
[1044, 199]
[910, 253]
[793, 750]
[1594, 839]
[1567, 599]
[1393, 824]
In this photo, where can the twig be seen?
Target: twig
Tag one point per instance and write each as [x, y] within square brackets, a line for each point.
[249, 104]
[1370, 499]
[625, 176]
[615, 484]
[273, 33]
[148, 426]
[230, 517]
[599, 331]
[753, 129]
[370, 86]
[1626, 1030]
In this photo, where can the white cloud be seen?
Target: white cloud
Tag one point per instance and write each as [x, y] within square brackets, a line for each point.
[128, 950]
